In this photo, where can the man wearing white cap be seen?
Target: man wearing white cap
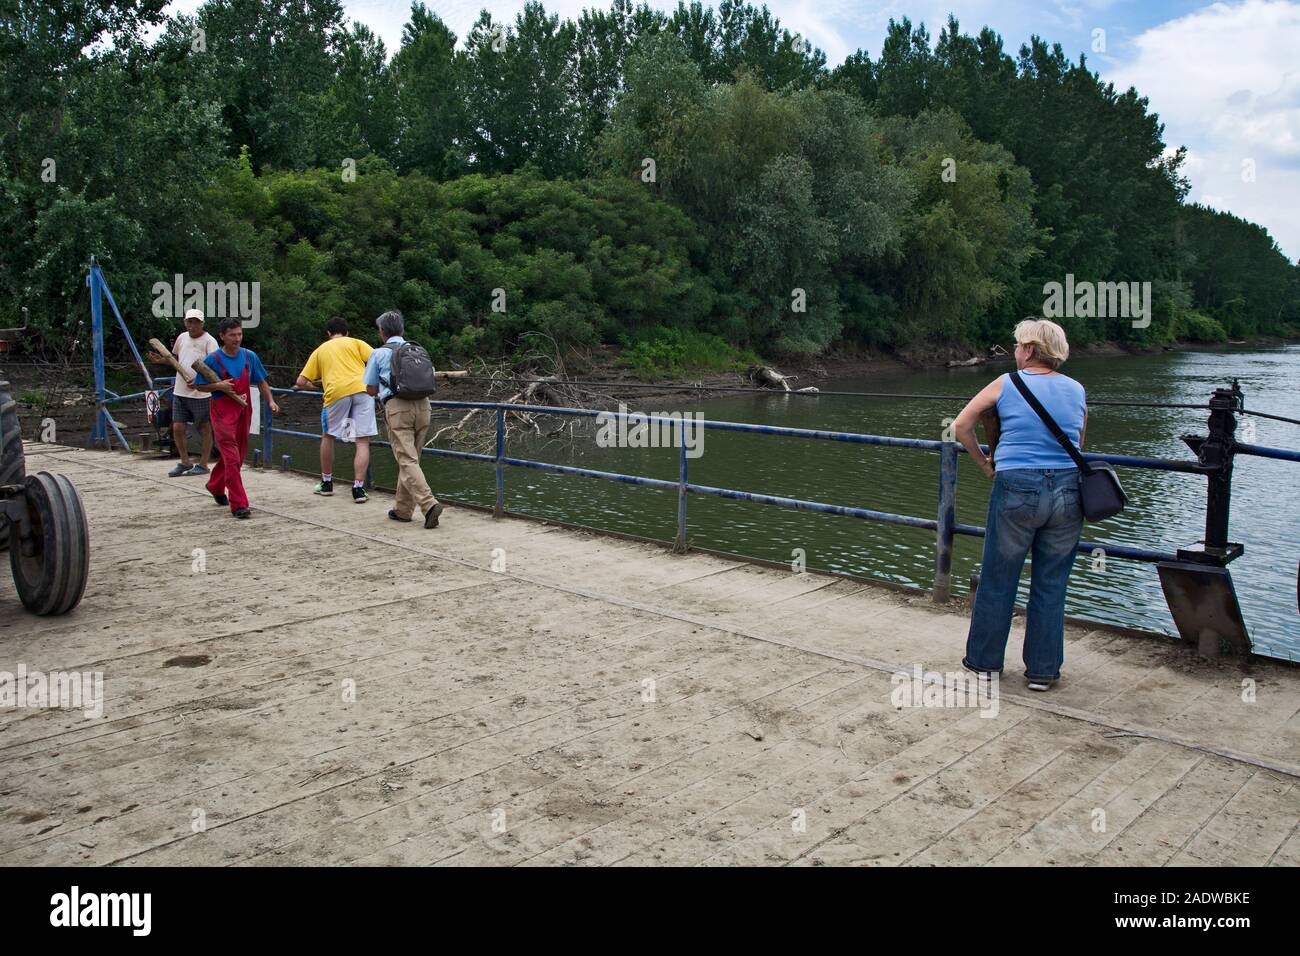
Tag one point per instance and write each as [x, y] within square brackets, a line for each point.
[189, 405]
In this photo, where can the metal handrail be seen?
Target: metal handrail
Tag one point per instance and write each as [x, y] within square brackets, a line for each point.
[1214, 459]
[944, 525]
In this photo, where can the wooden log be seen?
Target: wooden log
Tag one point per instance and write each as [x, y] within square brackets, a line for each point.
[768, 377]
[206, 370]
[992, 431]
[165, 357]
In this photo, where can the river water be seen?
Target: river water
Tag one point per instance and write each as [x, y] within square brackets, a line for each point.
[1166, 510]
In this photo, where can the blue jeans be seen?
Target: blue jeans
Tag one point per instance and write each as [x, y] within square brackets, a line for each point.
[1030, 509]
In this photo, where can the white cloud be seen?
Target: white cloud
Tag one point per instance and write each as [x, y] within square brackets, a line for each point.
[1226, 82]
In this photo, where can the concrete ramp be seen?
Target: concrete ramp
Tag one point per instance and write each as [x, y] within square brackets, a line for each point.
[319, 685]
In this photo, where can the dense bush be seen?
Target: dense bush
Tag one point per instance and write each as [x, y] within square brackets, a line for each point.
[674, 351]
[473, 263]
[1198, 327]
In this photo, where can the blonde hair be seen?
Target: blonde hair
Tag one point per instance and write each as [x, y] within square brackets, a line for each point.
[1047, 340]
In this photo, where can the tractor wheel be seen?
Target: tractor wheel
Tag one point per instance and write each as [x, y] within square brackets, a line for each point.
[13, 466]
[53, 578]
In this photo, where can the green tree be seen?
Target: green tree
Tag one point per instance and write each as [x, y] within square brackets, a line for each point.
[1238, 275]
[430, 97]
[968, 235]
[602, 42]
[278, 59]
[519, 84]
[361, 105]
[903, 75]
[788, 187]
[102, 151]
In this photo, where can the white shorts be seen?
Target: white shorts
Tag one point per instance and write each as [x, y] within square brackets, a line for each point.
[349, 418]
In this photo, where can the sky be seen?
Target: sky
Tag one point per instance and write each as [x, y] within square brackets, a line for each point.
[1223, 77]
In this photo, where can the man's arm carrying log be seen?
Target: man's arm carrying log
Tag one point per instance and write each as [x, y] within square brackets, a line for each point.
[204, 369]
[163, 356]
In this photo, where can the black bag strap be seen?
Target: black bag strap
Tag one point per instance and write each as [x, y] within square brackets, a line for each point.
[1050, 422]
[392, 347]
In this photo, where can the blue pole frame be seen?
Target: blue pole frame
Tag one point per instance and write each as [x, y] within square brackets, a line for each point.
[499, 508]
[98, 433]
[683, 488]
[99, 430]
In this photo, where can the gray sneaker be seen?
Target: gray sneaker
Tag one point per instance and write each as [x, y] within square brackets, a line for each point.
[197, 470]
[180, 469]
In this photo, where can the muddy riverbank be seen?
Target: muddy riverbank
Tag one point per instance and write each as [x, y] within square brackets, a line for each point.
[64, 394]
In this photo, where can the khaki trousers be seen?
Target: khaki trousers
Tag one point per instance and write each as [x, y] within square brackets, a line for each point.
[407, 421]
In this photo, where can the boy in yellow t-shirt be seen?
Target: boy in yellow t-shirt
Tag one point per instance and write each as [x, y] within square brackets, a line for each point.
[348, 413]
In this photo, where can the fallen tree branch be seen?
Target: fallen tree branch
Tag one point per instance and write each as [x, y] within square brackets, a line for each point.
[765, 376]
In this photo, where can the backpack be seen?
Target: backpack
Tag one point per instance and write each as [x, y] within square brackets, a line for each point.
[412, 371]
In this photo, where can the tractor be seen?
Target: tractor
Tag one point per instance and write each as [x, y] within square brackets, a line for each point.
[42, 521]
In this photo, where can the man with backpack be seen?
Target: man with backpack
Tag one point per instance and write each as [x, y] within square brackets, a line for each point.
[400, 374]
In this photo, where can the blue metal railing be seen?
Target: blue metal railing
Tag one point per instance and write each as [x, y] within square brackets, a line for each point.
[944, 524]
[1261, 451]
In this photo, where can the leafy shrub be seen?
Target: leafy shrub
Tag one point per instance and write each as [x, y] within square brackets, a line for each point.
[1193, 326]
[673, 352]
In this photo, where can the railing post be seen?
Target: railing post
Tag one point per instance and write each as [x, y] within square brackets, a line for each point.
[945, 532]
[266, 432]
[1218, 453]
[500, 509]
[679, 546]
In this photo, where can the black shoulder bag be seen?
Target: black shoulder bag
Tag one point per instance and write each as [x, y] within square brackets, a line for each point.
[1100, 494]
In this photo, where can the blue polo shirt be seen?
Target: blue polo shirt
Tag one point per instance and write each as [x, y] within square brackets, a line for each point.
[379, 367]
[228, 367]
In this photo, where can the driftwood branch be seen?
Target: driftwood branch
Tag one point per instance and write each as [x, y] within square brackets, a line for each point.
[543, 380]
[529, 395]
[764, 376]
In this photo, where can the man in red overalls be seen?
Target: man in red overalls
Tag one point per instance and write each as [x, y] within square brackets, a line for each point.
[239, 369]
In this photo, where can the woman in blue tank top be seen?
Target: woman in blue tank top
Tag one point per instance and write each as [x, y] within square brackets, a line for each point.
[1033, 507]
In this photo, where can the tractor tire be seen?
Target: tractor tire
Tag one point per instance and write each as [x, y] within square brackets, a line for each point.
[53, 578]
[13, 464]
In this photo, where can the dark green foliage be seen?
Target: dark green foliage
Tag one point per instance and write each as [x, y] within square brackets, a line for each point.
[790, 188]
[430, 106]
[582, 262]
[1238, 276]
[675, 351]
[273, 65]
[685, 184]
